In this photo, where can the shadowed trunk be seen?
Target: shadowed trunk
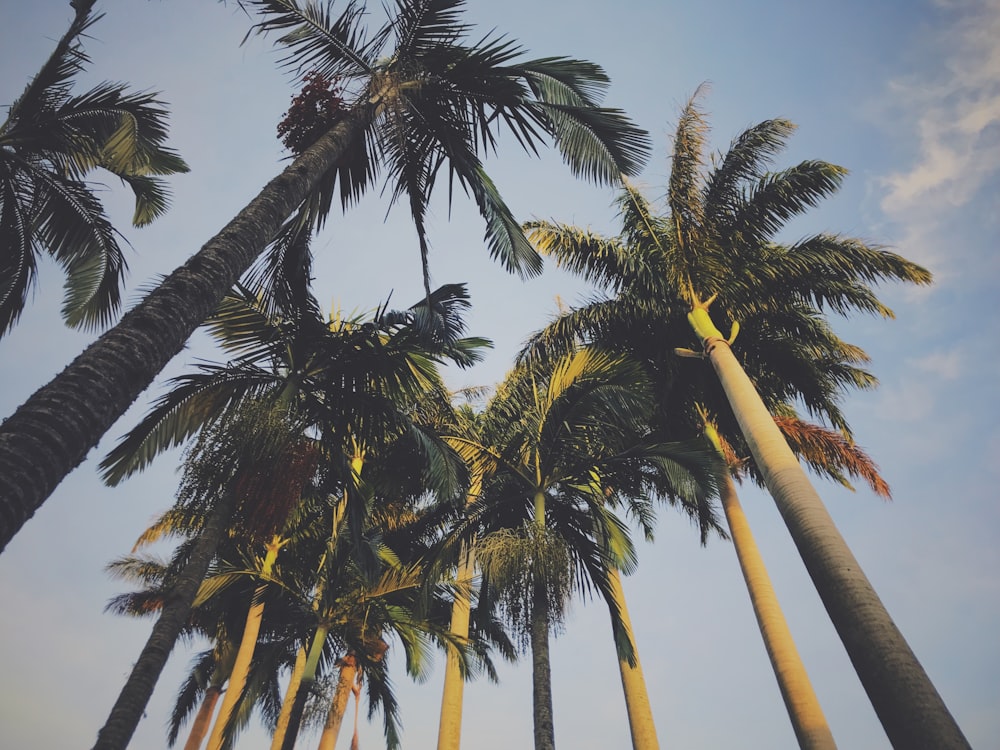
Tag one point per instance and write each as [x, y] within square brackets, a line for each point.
[541, 673]
[128, 709]
[52, 432]
[911, 711]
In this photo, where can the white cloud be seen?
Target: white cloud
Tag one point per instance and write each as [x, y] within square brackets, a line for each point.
[954, 105]
[946, 365]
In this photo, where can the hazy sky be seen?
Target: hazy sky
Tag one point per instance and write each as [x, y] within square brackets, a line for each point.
[904, 94]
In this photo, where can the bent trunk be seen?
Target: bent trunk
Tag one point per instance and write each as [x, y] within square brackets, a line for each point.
[338, 706]
[808, 721]
[244, 656]
[128, 709]
[52, 432]
[640, 713]
[911, 711]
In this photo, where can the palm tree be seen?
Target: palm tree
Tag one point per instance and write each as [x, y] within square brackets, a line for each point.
[49, 142]
[717, 241]
[334, 379]
[423, 98]
[567, 444]
[233, 469]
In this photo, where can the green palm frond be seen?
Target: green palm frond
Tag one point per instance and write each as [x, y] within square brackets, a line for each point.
[49, 144]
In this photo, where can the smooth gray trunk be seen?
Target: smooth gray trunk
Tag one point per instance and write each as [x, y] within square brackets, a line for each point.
[911, 711]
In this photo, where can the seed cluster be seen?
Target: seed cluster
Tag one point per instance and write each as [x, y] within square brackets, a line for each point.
[316, 109]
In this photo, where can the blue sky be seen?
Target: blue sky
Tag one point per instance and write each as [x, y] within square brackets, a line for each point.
[905, 95]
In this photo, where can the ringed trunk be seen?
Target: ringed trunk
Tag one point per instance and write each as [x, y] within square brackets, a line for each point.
[911, 711]
[52, 432]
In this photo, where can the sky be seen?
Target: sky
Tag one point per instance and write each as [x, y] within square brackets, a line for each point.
[906, 95]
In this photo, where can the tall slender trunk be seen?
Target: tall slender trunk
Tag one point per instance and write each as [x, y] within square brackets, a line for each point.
[808, 721]
[52, 432]
[244, 655]
[284, 716]
[640, 713]
[338, 706]
[305, 687]
[541, 672]
[203, 720]
[128, 709]
[450, 725]
[911, 711]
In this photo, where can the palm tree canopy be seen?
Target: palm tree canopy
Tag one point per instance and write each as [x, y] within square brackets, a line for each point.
[438, 100]
[563, 445]
[50, 141]
[720, 235]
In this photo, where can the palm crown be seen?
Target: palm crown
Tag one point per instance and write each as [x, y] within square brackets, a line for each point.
[50, 141]
[433, 100]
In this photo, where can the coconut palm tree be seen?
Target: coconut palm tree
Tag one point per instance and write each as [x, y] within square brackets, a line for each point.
[422, 97]
[717, 241]
[50, 141]
[566, 445]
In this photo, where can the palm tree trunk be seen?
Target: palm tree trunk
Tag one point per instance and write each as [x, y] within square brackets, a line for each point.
[911, 711]
[640, 713]
[808, 721]
[541, 673]
[203, 720]
[128, 709]
[244, 655]
[305, 687]
[338, 706]
[284, 716]
[52, 432]
[450, 726]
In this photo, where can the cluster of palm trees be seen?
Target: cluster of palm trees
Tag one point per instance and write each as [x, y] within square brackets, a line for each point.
[336, 498]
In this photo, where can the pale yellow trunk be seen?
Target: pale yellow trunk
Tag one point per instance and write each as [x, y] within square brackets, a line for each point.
[244, 656]
[911, 711]
[807, 717]
[640, 713]
[450, 725]
[298, 669]
[338, 706]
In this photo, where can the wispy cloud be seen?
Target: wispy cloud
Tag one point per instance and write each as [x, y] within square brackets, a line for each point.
[953, 103]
